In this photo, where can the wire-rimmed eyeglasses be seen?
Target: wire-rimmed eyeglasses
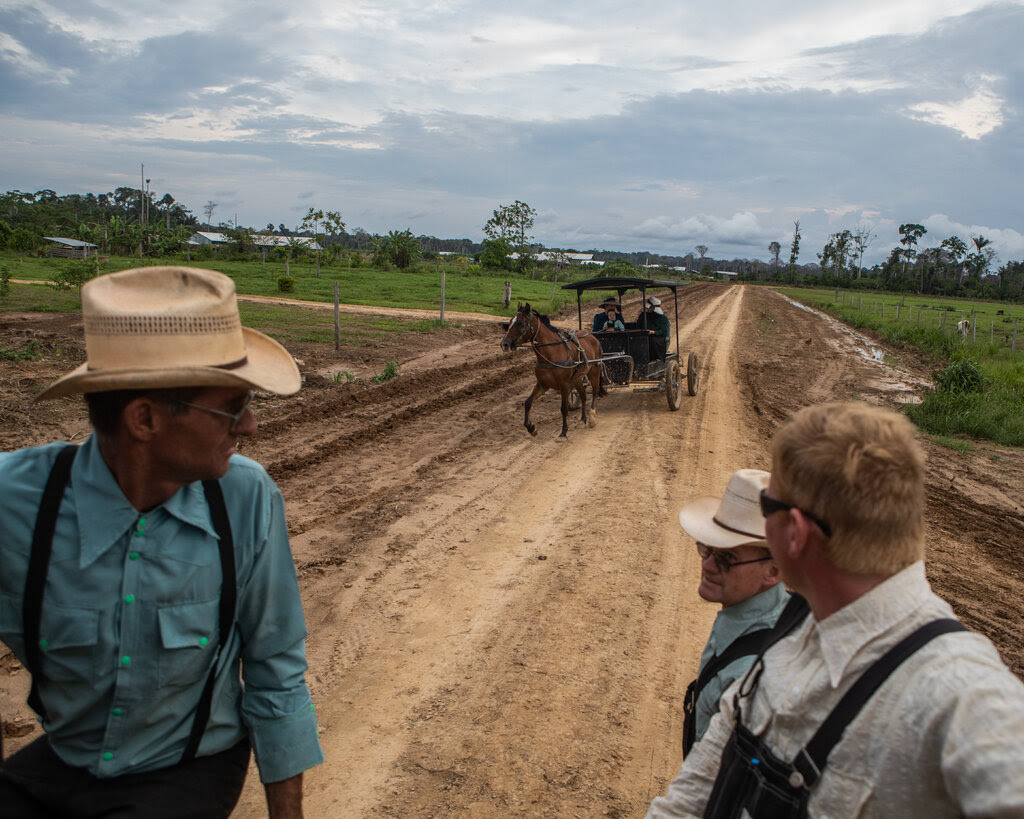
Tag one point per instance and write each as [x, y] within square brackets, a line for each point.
[724, 559]
[236, 417]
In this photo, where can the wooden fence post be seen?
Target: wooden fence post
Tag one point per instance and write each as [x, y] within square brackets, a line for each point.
[1013, 344]
[337, 320]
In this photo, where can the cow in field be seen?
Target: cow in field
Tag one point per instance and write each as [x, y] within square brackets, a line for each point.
[963, 327]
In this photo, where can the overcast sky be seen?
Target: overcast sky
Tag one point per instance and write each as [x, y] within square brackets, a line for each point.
[646, 125]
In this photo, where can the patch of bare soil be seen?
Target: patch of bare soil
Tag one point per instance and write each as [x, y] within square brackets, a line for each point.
[503, 625]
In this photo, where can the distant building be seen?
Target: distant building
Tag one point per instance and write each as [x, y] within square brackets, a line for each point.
[206, 238]
[264, 240]
[70, 248]
[556, 255]
[261, 240]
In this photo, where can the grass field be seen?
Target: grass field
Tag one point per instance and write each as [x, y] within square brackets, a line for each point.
[467, 288]
[979, 392]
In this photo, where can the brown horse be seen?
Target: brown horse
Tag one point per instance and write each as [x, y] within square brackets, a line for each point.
[565, 361]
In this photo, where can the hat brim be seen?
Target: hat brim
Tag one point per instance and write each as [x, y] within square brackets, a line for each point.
[268, 366]
[698, 521]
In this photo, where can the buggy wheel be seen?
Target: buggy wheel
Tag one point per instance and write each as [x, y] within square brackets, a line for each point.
[673, 385]
[692, 373]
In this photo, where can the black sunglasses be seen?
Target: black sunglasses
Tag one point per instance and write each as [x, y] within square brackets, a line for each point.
[770, 506]
[723, 558]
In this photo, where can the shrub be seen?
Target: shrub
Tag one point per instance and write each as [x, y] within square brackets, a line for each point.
[285, 284]
[390, 371]
[74, 274]
[5, 281]
[962, 376]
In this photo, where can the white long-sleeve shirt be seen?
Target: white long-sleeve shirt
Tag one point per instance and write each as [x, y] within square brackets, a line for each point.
[943, 736]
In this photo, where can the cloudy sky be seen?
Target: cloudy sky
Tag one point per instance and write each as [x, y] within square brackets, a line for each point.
[648, 125]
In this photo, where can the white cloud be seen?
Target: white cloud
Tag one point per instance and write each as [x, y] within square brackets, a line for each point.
[1007, 243]
[23, 61]
[973, 116]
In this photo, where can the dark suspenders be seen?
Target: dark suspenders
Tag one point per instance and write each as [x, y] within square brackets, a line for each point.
[35, 584]
[812, 758]
[752, 779]
[748, 645]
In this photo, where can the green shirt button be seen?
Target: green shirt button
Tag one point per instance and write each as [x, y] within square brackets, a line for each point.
[108, 756]
[130, 598]
[43, 644]
[118, 712]
[133, 555]
[203, 641]
[126, 660]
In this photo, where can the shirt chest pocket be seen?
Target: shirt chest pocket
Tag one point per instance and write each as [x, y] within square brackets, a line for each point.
[68, 638]
[188, 636]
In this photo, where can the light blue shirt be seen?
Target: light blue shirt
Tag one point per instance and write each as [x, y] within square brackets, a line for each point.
[130, 619]
[754, 613]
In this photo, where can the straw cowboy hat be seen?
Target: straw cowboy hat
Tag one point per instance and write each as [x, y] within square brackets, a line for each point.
[157, 327]
[733, 520]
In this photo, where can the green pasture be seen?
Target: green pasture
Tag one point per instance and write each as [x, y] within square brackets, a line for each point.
[979, 382]
[467, 288]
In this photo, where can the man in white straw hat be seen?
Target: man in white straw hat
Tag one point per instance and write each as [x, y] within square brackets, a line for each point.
[736, 571]
[146, 580]
[878, 703]
[653, 319]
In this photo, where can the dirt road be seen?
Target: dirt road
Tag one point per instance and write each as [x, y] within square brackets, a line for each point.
[503, 625]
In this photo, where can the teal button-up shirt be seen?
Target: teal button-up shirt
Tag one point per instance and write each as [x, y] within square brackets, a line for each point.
[129, 621]
[754, 613]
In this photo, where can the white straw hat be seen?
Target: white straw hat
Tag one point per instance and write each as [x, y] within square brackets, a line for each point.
[735, 519]
[155, 327]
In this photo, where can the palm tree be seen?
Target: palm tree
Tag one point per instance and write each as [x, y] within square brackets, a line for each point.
[403, 248]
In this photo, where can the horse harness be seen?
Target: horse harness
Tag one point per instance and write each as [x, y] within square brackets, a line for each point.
[566, 337]
[39, 560]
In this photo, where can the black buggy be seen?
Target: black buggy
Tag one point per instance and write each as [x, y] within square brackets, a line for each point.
[629, 357]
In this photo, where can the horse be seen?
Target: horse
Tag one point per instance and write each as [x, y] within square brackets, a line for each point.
[565, 361]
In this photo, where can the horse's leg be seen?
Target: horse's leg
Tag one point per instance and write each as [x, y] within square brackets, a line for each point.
[538, 390]
[595, 387]
[565, 411]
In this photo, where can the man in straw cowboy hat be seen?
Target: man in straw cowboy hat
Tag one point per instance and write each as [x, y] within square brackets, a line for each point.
[146, 580]
[878, 703]
[653, 319]
[737, 572]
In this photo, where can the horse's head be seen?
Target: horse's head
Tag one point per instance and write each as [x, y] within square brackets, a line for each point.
[520, 329]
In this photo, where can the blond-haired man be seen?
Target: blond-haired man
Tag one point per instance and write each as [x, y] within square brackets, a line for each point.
[146, 579]
[879, 703]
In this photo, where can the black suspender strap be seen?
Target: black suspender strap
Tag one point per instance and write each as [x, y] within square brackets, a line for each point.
[753, 644]
[39, 562]
[811, 760]
[745, 646]
[228, 593]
